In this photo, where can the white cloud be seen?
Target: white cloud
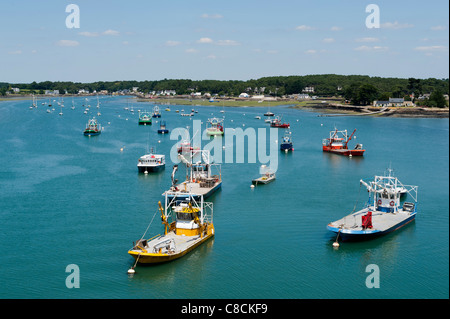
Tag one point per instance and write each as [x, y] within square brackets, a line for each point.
[336, 28]
[371, 49]
[304, 28]
[171, 43]
[211, 57]
[89, 34]
[311, 51]
[191, 50]
[438, 28]
[15, 52]
[431, 48]
[67, 43]
[328, 40]
[97, 34]
[367, 39]
[396, 25]
[205, 40]
[111, 32]
[272, 51]
[227, 42]
[212, 16]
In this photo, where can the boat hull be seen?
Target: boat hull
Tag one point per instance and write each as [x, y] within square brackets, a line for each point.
[343, 151]
[262, 181]
[142, 169]
[286, 147]
[91, 133]
[145, 122]
[163, 131]
[368, 234]
[155, 258]
[280, 125]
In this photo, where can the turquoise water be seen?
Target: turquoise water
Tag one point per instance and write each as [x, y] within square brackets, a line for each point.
[69, 199]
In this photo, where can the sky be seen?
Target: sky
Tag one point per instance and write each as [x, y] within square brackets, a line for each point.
[221, 40]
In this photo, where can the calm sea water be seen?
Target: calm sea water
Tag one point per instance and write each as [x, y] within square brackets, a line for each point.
[69, 199]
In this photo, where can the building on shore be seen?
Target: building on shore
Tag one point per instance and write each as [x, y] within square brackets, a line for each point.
[393, 102]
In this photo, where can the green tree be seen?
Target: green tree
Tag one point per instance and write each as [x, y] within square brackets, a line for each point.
[437, 99]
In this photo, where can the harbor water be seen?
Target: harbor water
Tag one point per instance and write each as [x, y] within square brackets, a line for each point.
[67, 200]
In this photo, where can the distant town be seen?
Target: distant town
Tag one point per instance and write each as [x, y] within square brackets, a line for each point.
[355, 90]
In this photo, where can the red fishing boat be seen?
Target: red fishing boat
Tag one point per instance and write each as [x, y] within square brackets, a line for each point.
[338, 143]
[277, 123]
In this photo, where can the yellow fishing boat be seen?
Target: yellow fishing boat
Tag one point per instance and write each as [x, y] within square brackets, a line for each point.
[187, 224]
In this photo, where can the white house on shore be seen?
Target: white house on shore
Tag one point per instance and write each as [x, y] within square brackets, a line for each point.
[393, 102]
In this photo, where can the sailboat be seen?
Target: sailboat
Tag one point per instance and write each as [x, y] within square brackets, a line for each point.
[268, 113]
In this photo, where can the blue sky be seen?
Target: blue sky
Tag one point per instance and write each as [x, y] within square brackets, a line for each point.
[222, 40]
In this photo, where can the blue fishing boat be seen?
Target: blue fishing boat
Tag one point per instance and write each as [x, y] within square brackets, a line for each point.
[156, 112]
[162, 128]
[383, 213]
[286, 144]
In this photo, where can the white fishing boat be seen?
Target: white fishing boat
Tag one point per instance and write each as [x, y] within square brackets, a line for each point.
[203, 176]
[151, 162]
[266, 177]
[383, 213]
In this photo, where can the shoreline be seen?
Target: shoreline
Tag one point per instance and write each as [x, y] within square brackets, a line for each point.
[325, 106]
[322, 106]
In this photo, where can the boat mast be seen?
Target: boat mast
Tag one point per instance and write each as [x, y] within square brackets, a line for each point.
[345, 144]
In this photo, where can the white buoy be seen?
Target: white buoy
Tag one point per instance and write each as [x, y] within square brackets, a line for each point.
[252, 186]
[335, 244]
[121, 149]
[131, 271]
[146, 172]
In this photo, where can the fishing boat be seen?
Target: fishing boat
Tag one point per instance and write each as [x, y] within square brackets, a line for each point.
[337, 143]
[92, 128]
[186, 147]
[266, 177]
[151, 162]
[286, 144]
[187, 224]
[203, 177]
[276, 122]
[162, 128]
[383, 213]
[215, 127]
[156, 112]
[145, 118]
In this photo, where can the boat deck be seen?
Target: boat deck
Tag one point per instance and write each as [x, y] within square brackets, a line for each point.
[182, 243]
[263, 180]
[197, 189]
[381, 221]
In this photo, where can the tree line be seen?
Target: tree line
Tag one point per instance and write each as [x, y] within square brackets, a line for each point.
[358, 89]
